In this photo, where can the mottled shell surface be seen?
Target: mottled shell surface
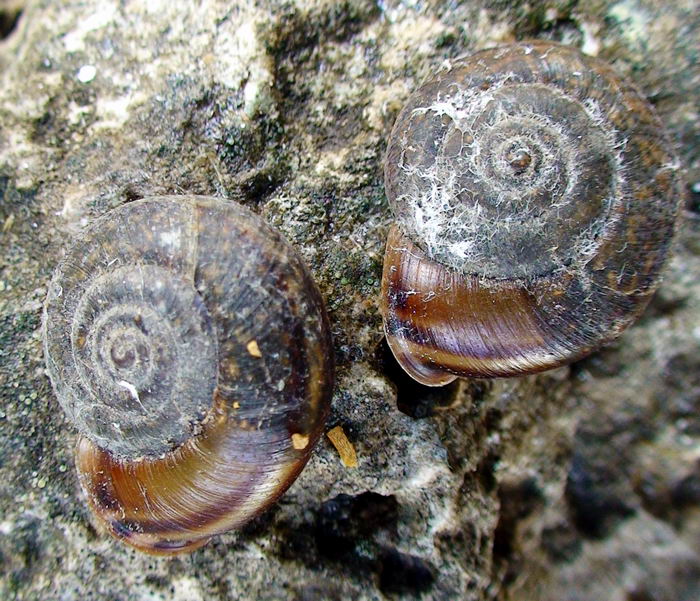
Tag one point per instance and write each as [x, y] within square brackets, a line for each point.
[536, 196]
[189, 345]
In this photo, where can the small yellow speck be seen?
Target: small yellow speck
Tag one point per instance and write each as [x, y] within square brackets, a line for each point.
[8, 222]
[236, 405]
[230, 367]
[344, 447]
[254, 349]
[300, 441]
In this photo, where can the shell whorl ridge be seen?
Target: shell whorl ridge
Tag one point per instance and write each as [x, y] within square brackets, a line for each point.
[535, 196]
[187, 341]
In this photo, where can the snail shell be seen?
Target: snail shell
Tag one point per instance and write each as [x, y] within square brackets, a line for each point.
[189, 345]
[536, 197]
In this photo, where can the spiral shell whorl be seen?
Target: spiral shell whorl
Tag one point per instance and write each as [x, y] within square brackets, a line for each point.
[514, 163]
[161, 298]
[139, 371]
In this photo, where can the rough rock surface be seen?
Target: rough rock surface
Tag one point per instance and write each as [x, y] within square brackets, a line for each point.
[580, 484]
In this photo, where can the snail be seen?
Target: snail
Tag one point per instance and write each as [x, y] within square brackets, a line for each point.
[189, 345]
[536, 196]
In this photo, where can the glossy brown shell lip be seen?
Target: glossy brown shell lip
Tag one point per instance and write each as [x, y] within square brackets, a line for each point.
[441, 325]
[176, 503]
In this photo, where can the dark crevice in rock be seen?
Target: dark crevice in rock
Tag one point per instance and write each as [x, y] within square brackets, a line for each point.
[403, 573]
[9, 17]
[131, 193]
[354, 534]
[595, 506]
[518, 500]
[486, 470]
[345, 520]
[492, 419]
[206, 148]
[342, 525]
[262, 184]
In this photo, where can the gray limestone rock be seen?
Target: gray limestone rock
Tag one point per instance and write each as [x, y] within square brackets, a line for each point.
[580, 484]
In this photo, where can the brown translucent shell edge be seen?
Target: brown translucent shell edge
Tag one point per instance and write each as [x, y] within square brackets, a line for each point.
[441, 324]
